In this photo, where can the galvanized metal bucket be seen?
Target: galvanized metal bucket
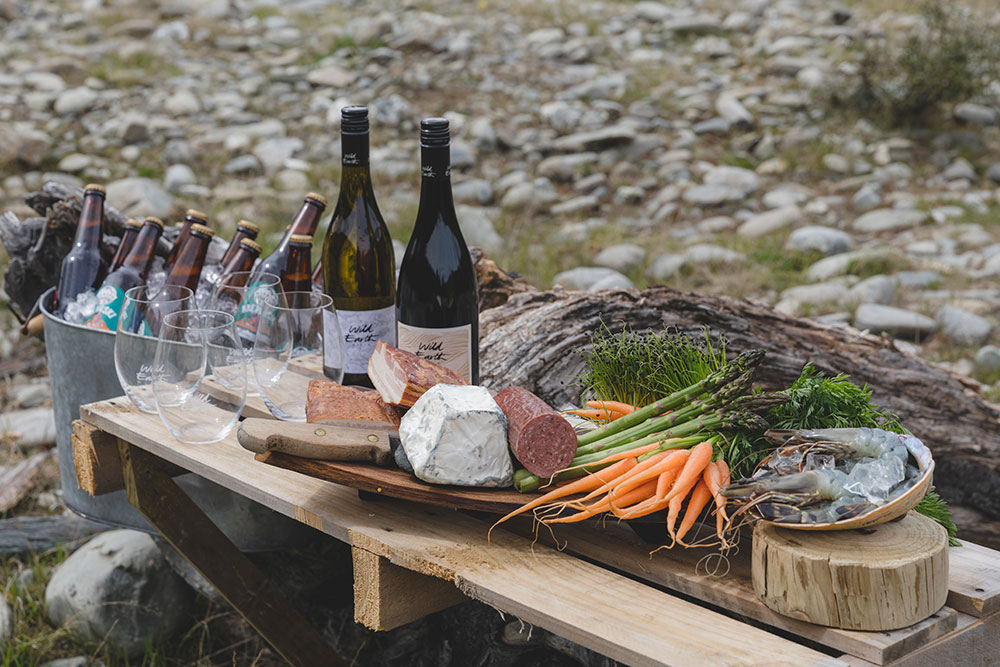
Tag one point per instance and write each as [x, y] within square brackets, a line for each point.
[81, 362]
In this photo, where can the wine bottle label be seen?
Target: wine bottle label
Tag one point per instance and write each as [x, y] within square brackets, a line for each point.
[360, 330]
[449, 346]
[109, 303]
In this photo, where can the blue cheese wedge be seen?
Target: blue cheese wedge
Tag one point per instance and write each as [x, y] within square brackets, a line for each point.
[457, 435]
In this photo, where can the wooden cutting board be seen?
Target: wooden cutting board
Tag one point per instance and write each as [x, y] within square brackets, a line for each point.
[395, 483]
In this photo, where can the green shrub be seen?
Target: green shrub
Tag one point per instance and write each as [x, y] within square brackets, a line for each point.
[907, 81]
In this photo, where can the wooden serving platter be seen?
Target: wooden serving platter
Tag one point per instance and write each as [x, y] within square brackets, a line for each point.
[396, 483]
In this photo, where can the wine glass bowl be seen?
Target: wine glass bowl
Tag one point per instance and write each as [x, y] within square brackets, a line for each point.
[193, 346]
[288, 353]
[237, 294]
[137, 334]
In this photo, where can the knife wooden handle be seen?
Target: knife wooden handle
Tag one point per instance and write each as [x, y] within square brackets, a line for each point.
[327, 442]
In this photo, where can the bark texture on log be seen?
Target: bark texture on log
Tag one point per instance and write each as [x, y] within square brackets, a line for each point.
[495, 284]
[535, 339]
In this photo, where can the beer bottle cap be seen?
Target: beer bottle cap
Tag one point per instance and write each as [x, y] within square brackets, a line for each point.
[132, 222]
[253, 245]
[196, 215]
[301, 238]
[94, 187]
[154, 220]
[202, 229]
[246, 224]
[318, 198]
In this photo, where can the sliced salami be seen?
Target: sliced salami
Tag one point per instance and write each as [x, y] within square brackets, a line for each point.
[538, 436]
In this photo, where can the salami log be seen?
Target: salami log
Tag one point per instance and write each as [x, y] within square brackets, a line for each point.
[538, 436]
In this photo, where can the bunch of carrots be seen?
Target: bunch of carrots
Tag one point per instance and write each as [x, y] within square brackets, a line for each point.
[603, 410]
[640, 482]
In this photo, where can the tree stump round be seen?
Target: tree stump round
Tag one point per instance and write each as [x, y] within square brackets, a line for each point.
[874, 579]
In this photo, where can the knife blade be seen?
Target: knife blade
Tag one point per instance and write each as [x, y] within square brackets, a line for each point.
[345, 440]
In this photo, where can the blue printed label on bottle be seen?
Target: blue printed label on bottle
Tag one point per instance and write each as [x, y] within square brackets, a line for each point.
[109, 304]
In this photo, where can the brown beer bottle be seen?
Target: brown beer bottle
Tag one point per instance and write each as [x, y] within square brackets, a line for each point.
[244, 230]
[191, 217]
[187, 269]
[132, 227]
[296, 277]
[82, 267]
[305, 223]
[242, 260]
[132, 273]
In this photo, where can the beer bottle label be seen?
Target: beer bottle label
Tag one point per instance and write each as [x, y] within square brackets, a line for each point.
[361, 329]
[247, 317]
[449, 346]
[109, 303]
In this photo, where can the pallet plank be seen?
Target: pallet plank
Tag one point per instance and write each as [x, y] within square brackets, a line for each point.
[387, 596]
[505, 573]
[974, 579]
[619, 547]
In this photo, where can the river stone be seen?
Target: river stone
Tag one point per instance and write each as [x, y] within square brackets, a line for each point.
[177, 176]
[622, 257]
[711, 195]
[769, 222]
[988, 360]
[738, 178]
[816, 238]
[729, 107]
[473, 191]
[785, 195]
[802, 299]
[977, 114]
[665, 266]
[33, 427]
[118, 588]
[607, 137]
[75, 100]
[581, 204]
[888, 220]
[78, 661]
[138, 197]
[565, 168]
[538, 193]
[894, 321]
[592, 278]
[867, 197]
[477, 228]
[182, 103]
[962, 327]
[879, 289]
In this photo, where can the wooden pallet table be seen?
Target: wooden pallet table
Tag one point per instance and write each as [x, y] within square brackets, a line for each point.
[411, 560]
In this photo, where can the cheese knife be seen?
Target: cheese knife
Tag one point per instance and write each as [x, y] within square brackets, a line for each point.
[344, 440]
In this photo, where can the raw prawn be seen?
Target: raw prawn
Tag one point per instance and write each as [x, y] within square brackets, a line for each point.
[850, 443]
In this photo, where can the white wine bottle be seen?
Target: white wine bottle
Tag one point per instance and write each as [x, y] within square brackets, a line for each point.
[358, 264]
[437, 299]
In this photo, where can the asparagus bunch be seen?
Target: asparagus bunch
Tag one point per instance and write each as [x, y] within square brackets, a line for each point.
[684, 418]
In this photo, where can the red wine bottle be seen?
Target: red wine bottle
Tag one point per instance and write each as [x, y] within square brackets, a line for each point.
[437, 297]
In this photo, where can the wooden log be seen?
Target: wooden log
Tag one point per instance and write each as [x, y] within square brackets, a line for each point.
[387, 596]
[534, 341]
[16, 481]
[882, 578]
[36, 534]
